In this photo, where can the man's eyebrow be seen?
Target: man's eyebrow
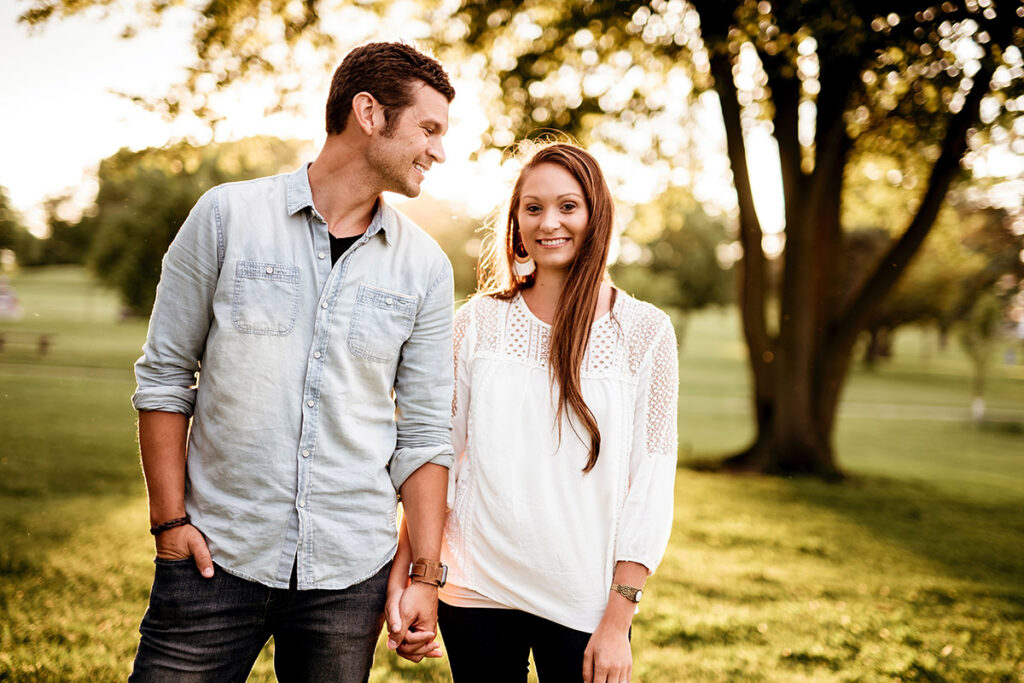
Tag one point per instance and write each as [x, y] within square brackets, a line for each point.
[433, 124]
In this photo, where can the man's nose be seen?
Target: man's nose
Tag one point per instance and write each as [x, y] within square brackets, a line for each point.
[436, 151]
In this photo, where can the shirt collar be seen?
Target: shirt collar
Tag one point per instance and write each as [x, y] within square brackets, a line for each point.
[300, 196]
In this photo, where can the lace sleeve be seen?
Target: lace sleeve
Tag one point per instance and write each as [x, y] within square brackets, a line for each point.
[646, 521]
[662, 413]
[460, 396]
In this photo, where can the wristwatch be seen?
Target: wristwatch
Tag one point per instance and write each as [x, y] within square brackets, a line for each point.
[428, 571]
[629, 592]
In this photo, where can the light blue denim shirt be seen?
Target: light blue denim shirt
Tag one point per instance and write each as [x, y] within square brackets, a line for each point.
[320, 388]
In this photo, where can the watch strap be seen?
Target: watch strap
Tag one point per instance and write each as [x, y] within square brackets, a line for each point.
[631, 593]
[428, 571]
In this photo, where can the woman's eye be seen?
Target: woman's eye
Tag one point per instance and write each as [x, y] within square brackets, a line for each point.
[568, 206]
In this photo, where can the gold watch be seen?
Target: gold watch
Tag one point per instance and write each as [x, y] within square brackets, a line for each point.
[428, 571]
[629, 592]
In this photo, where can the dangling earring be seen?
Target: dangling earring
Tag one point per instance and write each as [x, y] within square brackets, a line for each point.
[524, 265]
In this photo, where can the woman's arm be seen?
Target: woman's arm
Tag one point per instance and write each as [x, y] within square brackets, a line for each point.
[608, 657]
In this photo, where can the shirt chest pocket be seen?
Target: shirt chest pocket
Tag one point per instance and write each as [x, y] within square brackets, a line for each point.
[266, 299]
[381, 322]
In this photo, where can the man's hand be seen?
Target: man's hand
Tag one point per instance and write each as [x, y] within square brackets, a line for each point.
[411, 613]
[608, 657]
[183, 542]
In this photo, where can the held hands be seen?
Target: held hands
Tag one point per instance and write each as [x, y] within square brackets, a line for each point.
[411, 613]
[608, 657]
[183, 542]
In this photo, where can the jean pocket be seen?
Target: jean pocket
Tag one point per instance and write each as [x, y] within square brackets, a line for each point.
[266, 298]
[381, 322]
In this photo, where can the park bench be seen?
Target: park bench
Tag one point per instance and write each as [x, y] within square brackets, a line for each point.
[42, 341]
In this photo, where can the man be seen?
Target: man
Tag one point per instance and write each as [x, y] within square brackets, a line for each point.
[323, 391]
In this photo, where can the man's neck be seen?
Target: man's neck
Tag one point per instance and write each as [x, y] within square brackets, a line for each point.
[343, 189]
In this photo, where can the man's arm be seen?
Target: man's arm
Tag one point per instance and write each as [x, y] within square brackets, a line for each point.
[419, 465]
[166, 375]
[162, 440]
[412, 606]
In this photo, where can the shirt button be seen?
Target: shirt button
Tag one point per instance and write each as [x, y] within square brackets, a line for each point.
[389, 301]
[310, 403]
[270, 269]
[302, 503]
[316, 354]
[323, 305]
[305, 452]
[321, 255]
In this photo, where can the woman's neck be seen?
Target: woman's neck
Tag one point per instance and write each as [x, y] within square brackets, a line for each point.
[546, 292]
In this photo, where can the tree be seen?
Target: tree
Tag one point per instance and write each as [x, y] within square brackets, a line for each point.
[835, 80]
[145, 196]
[13, 235]
[669, 255]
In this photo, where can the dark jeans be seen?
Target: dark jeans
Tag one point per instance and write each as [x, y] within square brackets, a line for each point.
[213, 629]
[494, 645]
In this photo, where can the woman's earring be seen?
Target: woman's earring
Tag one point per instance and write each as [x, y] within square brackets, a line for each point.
[524, 267]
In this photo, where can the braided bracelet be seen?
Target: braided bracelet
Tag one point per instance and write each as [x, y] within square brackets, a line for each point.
[160, 528]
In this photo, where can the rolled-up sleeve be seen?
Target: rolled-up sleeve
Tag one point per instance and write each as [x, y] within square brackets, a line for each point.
[178, 327]
[423, 385]
[646, 521]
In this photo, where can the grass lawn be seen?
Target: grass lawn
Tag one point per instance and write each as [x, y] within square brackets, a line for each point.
[911, 570]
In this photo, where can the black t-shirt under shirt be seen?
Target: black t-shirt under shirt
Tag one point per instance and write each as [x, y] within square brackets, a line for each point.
[339, 245]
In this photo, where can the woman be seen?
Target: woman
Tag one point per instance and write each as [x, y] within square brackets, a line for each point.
[565, 425]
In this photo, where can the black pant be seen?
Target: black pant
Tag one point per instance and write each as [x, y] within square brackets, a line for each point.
[494, 645]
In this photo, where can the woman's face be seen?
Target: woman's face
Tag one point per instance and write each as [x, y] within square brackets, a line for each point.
[552, 216]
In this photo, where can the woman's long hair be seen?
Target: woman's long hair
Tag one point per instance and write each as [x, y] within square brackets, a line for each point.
[570, 330]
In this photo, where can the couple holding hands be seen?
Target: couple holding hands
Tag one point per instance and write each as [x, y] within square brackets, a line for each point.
[303, 373]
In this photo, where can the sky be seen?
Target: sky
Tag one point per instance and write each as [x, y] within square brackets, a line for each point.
[60, 114]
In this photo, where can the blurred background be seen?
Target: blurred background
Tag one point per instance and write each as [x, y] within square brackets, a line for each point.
[826, 195]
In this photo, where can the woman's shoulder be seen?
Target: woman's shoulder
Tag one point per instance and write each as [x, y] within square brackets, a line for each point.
[481, 309]
[640, 316]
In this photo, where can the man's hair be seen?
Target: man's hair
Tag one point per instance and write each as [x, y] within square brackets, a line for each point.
[389, 72]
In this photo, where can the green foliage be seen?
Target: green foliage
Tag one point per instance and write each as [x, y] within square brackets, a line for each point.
[671, 248]
[145, 196]
[10, 225]
[13, 234]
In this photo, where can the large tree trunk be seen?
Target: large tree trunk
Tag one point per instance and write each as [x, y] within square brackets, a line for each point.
[798, 374]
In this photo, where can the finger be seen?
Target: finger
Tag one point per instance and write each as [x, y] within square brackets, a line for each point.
[588, 666]
[201, 553]
[394, 619]
[419, 637]
[415, 659]
[419, 648]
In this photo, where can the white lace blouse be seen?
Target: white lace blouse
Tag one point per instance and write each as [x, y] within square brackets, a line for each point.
[526, 528]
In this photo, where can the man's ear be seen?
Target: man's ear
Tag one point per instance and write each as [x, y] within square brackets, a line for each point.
[368, 112]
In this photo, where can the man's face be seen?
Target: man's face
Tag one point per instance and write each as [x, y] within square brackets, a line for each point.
[402, 158]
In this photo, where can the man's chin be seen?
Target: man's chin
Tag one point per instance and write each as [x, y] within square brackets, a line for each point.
[411, 191]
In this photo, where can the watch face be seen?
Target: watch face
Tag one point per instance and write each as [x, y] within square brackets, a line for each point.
[639, 594]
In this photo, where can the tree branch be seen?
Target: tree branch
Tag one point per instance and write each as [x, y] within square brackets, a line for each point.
[896, 260]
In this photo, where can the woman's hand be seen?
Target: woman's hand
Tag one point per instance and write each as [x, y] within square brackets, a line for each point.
[608, 657]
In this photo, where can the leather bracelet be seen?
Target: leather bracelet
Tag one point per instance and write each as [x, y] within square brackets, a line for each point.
[170, 524]
[430, 572]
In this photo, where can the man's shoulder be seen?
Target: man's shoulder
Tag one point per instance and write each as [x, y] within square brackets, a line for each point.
[413, 238]
[258, 187]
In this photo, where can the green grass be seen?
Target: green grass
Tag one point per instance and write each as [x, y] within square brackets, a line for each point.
[911, 570]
